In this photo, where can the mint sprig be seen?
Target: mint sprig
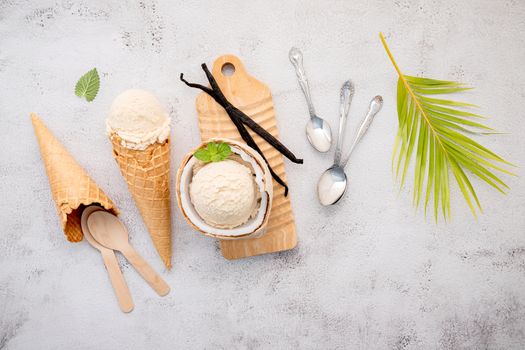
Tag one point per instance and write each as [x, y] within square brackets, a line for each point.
[88, 85]
[213, 152]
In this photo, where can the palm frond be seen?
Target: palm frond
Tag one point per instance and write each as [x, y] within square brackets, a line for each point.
[434, 132]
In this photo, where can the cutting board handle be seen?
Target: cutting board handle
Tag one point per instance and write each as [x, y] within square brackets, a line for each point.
[239, 76]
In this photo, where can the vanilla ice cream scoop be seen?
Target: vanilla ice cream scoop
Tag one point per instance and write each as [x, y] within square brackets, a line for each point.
[139, 119]
[229, 199]
[224, 193]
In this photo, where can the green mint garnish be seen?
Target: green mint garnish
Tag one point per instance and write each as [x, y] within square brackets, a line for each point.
[213, 152]
[88, 85]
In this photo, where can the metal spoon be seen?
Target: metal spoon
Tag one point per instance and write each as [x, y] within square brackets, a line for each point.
[317, 129]
[109, 231]
[328, 189]
[332, 184]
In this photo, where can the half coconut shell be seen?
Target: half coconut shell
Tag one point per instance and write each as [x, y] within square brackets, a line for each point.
[256, 226]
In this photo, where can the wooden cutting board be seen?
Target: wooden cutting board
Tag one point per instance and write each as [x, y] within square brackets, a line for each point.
[255, 99]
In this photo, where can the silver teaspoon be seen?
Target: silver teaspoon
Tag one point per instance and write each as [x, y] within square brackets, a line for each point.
[317, 129]
[332, 184]
[333, 181]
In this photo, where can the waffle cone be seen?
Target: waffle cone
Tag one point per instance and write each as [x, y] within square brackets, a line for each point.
[147, 175]
[71, 186]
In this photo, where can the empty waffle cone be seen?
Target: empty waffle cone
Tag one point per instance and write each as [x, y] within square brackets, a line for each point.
[147, 175]
[71, 186]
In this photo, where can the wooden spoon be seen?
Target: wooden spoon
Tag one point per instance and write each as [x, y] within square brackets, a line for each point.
[110, 232]
[108, 255]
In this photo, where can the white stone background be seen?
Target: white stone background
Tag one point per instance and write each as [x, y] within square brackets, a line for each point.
[369, 273]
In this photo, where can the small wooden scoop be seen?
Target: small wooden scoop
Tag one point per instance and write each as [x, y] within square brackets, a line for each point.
[110, 232]
[108, 255]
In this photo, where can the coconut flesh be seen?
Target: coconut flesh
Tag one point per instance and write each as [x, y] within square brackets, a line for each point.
[263, 184]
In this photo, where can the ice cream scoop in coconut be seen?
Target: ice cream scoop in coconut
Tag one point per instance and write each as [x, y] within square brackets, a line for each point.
[230, 199]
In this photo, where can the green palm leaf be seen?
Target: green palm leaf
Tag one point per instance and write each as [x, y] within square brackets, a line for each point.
[434, 132]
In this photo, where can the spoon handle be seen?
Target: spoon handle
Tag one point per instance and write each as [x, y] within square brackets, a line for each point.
[117, 280]
[347, 92]
[373, 109]
[146, 271]
[296, 57]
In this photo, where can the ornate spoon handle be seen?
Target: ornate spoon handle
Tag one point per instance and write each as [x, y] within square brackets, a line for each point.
[347, 92]
[296, 57]
[373, 109]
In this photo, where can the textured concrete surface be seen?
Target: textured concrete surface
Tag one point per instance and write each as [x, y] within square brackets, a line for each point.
[370, 273]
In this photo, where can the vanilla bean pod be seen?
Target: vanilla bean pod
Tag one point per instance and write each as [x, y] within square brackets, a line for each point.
[240, 119]
[234, 112]
[250, 142]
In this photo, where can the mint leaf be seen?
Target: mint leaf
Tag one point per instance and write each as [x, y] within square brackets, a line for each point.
[212, 148]
[224, 150]
[202, 155]
[216, 157]
[213, 152]
[88, 85]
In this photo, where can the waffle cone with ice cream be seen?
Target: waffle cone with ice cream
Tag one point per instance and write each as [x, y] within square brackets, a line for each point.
[139, 129]
[71, 186]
